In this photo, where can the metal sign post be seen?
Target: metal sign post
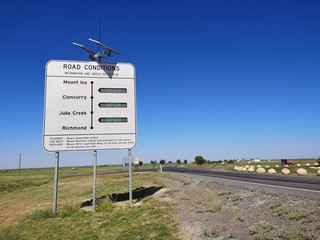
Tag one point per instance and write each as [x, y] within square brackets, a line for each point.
[130, 177]
[94, 181]
[55, 190]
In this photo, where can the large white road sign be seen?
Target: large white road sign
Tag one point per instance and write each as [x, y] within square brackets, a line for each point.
[89, 106]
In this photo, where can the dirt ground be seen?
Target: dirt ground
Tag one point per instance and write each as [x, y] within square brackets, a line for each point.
[210, 210]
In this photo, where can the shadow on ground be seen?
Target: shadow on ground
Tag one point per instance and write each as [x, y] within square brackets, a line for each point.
[137, 195]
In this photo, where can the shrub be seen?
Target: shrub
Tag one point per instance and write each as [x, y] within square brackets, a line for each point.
[199, 160]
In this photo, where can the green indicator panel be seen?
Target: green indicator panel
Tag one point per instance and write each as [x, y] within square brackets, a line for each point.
[112, 90]
[113, 120]
[113, 105]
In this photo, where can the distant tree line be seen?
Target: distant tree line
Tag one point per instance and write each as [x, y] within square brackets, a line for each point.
[199, 160]
[163, 162]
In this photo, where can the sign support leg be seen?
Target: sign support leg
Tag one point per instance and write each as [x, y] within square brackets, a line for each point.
[55, 190]
[130, 177]
[94, 181]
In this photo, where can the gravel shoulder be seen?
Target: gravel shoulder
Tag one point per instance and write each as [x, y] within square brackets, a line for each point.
[209, 209]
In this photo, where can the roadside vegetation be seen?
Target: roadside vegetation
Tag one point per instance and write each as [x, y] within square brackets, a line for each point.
[218, 210]
[26, 207]
[311, 165]
[299, 163]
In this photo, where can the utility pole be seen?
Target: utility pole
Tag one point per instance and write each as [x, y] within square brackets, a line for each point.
[20, 163]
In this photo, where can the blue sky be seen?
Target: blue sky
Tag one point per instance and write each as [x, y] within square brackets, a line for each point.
[222, 79]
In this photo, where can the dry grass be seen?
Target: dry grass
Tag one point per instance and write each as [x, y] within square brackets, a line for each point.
[26, 211]
[204, 209]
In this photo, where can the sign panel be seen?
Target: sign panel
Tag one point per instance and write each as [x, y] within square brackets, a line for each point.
[126, 159]
[89, 106]
[127, 164]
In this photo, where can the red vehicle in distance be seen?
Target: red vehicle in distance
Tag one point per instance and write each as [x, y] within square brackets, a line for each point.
[285, 162]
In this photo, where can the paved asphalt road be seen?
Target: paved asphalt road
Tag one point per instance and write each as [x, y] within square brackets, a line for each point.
[297, 185]
[308, 187]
